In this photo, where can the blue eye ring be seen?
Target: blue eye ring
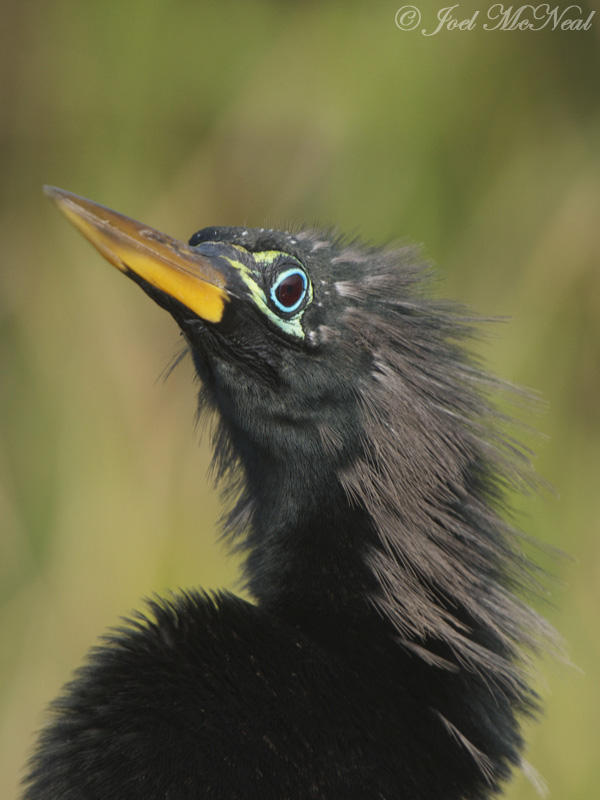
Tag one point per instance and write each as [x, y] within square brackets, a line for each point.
[281, 278]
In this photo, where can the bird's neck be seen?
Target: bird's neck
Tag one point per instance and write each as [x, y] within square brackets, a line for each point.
[308, 554]
[317, 560]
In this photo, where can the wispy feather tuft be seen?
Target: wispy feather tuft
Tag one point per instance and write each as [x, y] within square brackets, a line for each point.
[433, 475]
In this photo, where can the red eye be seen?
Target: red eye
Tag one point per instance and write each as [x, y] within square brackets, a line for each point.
[289, 290]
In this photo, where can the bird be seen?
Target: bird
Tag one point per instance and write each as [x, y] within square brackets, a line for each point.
[385, 651]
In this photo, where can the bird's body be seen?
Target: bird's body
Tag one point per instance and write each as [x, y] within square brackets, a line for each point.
[382, 655]
[216, 698]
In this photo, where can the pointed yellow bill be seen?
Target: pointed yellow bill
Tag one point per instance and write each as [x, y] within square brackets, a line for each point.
[165, 263]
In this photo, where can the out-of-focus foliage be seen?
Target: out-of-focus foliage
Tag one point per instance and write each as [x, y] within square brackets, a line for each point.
[482, 145]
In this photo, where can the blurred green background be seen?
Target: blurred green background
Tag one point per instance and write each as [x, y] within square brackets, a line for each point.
[482, 145]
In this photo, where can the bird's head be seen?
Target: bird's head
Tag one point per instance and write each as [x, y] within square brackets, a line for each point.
[338, 380]
[288, 331]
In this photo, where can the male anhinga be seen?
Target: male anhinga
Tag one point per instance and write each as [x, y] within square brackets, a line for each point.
[382, 656]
